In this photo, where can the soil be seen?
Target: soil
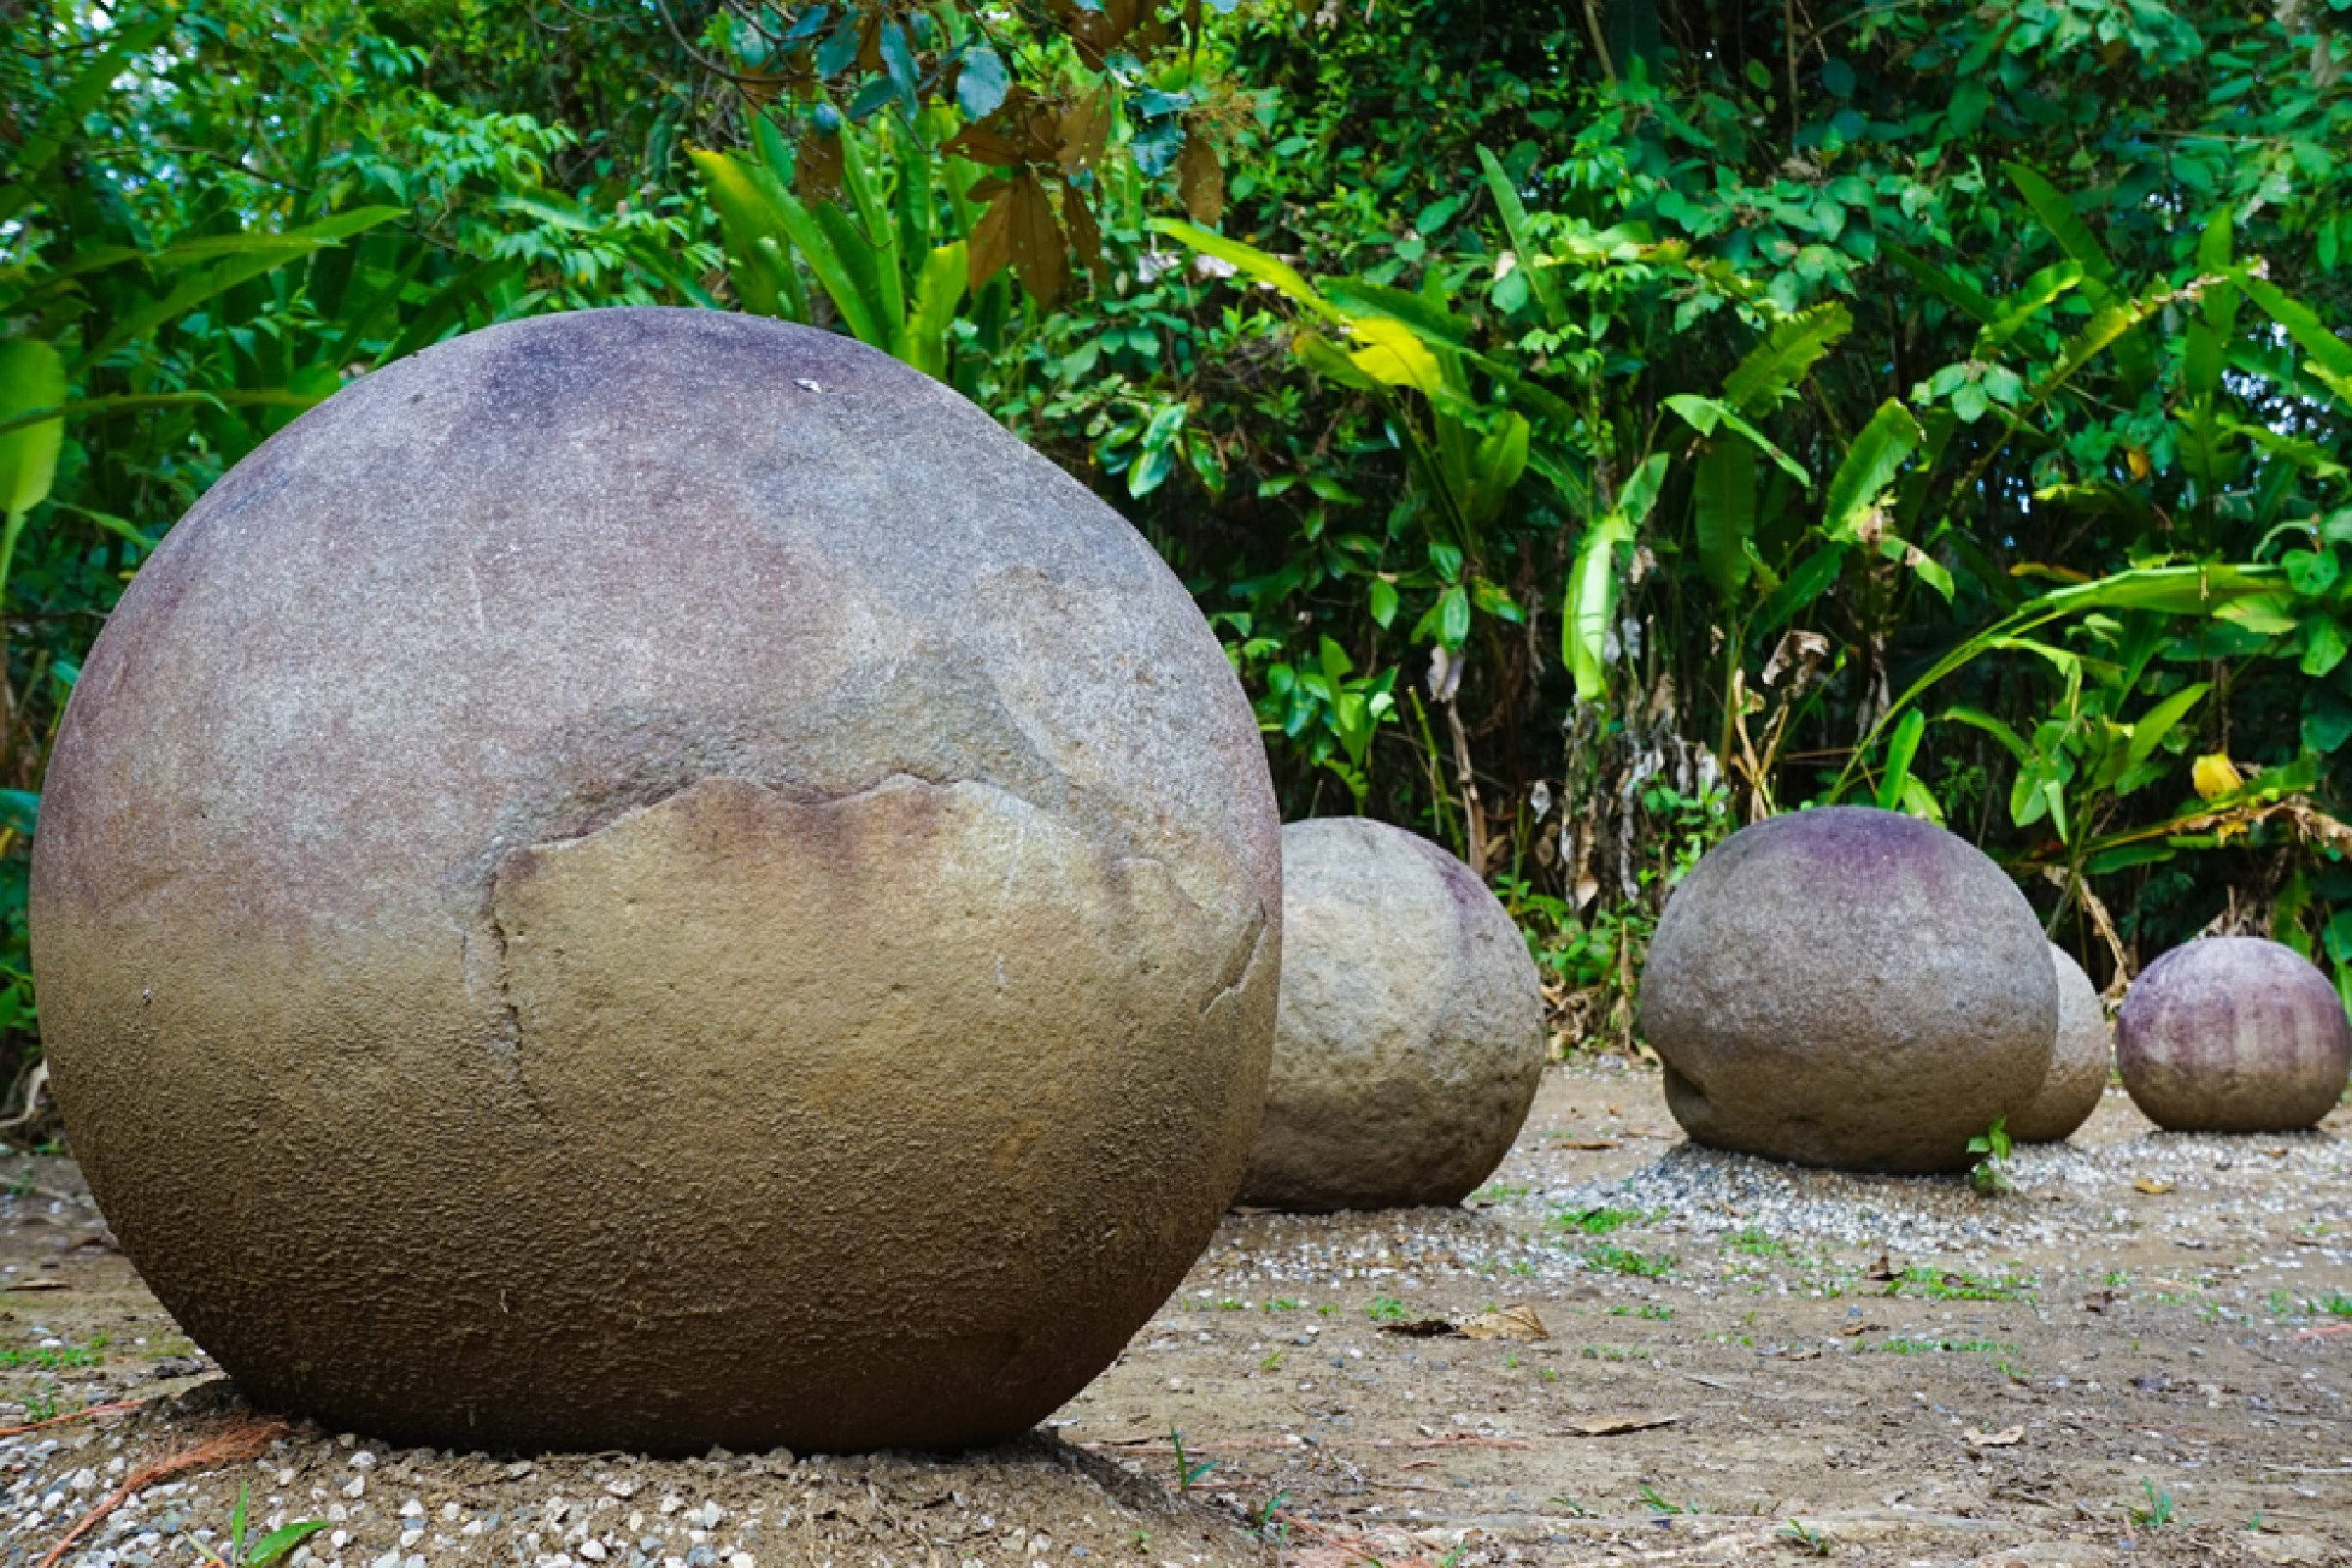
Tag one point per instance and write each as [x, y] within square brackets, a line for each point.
[2138, 1356]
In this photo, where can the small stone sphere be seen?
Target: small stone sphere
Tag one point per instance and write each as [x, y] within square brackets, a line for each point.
[2079, 1063]
[1849, 987]
[654, 879]
[2233, 1035]
[1409, 1040]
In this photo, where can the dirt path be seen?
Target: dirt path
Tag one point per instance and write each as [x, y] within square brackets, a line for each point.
[2151, 1325]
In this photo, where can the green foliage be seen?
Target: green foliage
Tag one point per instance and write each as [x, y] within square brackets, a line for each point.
[2158, 1511]
[258, 1551]
[1188, 1469]
[1989, 1174]
[1583, 438]
[1623, 1260]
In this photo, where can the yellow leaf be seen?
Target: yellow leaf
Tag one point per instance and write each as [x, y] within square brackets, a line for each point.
[1392, 355]
[2214, 774]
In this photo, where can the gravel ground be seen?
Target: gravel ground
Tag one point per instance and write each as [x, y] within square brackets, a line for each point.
[2134, 1358]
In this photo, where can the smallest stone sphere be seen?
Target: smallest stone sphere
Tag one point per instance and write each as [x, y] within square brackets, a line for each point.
[1408, 1042]
[2078, 1066]
[2233, 1035]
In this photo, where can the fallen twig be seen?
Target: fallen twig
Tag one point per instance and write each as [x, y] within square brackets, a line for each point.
[1463, 1439]
[241, 1440]
[77, 1415]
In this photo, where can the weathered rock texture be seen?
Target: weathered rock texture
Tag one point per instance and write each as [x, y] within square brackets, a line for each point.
[653, 878]
[2232, 1035]
[2078, 1062]
[1409, 1040]
[1849, 987]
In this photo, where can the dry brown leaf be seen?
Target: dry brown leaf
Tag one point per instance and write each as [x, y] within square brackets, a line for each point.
[2006, 1438]
[1039, 253]
[1883, 1269]
[816, 167]
[1609, 1426]
[1589, 1145]
[1518, 1322]
[992, 237]
[1086, 130]
[1086, 235]
[1200, 180]
[40, 1285]
[2151, 1186]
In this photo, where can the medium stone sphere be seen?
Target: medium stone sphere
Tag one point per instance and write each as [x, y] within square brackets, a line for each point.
[2079, 1061]
[1409, 1042]
[2233, 1035]
[1851, 988]
[650, 880]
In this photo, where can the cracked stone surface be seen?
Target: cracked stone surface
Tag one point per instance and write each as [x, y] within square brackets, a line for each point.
[649, 797]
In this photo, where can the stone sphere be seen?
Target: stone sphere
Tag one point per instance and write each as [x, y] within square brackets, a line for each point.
[1849, 987]
[1409, 1042]
[2233, 1035]
[650, 880]
[2078, 1062]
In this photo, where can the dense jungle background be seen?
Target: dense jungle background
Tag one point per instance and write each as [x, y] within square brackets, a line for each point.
[1589, 426]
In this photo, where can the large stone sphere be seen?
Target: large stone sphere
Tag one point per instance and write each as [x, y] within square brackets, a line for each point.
[2232, 1035]
[1409, 1042]
[654, 878]
[2079, 1061]
[1851, 988]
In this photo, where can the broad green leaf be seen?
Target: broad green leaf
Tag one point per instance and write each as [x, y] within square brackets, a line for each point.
[1522, 235]
[1955, 291]
[1591, 603]
[1806, 583]
[1250, 261]
[1724, 510]
[1786, 357]
[1998, 729]
[194, 288]
[880, 263]
[2033, 297]
[2124, 856]
[1707, 415]
[1899, 752]
[2331, 355]
[32, 379]
[846, 278]
[1877, 456]
[2215, 324]
[2057, 214]
[757, 261]
[283, 1540]
[2324, 646]
[938, 289]
[1394, 355]
[1321, 356]
[1433, 320]
[2159, 721]
[1640, 493]
[2106, 326]
[1496, 465]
